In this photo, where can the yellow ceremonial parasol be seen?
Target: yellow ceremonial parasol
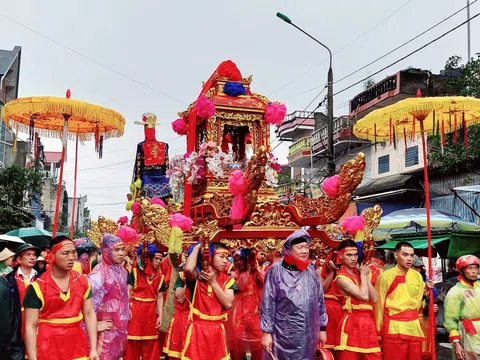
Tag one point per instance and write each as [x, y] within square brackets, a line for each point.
[431, 115]
[63, 118]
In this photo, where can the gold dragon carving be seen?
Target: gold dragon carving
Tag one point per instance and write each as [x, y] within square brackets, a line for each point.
[372, 219]
[157, 220]
[99, 228]
[271, 214]
[327, 209]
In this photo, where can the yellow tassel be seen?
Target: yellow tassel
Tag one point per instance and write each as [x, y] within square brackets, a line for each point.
[359, 236]
[15, 140]
[175, 242]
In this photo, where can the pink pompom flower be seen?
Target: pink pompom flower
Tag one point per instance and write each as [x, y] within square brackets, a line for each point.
[157, 201]
[128, 235]
[236, 183]
[353, 224]
[275, 113]
[205, 107]
[123, 220]
[180, 126]
[181, 221]
[331, 186]
[136, 208]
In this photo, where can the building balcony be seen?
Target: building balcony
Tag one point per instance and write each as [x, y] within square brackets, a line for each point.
[296, 125]
[286, 192]
[299, 153]
[394, 88]
[343, 137]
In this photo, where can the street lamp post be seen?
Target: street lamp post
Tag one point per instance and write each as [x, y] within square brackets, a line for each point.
[331, 154]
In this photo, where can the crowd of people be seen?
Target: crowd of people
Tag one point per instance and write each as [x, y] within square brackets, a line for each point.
[228, 303]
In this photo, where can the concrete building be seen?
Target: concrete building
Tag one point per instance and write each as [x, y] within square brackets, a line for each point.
[49, 193]
[9, 83]
[82, 213]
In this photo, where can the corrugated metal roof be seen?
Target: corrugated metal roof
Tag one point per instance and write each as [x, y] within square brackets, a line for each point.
[53, 156]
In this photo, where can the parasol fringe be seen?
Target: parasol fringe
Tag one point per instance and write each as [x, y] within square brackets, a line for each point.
[455, 130]
[15, 140]
[413, 129]
[390, 131]
[465, 131]
[53, 107]
[435, 107]
[115, 133]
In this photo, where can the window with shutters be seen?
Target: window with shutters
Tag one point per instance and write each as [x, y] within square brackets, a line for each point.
[411, 156]
[384, 164]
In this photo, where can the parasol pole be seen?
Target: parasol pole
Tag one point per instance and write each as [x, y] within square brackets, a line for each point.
[74, 205]
[62, 162]
[431, 314]
[59, 194]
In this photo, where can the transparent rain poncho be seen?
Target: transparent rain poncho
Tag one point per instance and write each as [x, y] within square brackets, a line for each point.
[292, 308]
[110, 298]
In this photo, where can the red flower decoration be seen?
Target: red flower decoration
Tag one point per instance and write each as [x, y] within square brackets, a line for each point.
[229, 70]
[180, 126]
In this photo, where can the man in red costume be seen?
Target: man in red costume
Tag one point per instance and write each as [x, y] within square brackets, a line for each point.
[400, 291]
[327, 273]
[55, 307]
[356, 332]
[210, 292]
[177, 330]
[146, 306]
[245, 318]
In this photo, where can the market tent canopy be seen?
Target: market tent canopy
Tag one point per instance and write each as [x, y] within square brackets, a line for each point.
[459, 243]
[419, 244]
[471, 188]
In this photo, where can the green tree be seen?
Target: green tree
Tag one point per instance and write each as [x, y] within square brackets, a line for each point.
[16, 186]
[463, 80]
[369, 83]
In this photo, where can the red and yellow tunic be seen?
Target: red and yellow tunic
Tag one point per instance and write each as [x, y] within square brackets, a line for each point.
[60, 335]
[143, 304]
[399, 300]
[206, 334]
[77, 267]
[335, 314]
[22, 285]
[178, 328]
[356, 331]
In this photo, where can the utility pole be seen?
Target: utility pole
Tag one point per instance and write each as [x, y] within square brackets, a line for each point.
[331, 154]
[331, 151]
[468, 32]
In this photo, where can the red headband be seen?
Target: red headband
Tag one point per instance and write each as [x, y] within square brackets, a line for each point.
[348, 248]
[119, 244]
[221, 251]
[61, 244]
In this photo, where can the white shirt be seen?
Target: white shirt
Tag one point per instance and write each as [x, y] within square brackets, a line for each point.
[33, 273]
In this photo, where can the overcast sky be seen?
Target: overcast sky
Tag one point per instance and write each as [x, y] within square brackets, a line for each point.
[169, 47]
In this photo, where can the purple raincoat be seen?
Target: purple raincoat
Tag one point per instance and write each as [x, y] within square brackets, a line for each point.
[110, 298]
[292, 308]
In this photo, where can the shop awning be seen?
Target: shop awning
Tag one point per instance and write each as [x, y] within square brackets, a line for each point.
[460, 243]
[419, 244]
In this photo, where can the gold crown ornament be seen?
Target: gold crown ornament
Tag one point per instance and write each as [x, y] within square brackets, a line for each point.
[101, 227]
[149, 120]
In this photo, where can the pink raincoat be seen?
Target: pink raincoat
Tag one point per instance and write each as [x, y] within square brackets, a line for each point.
[110, 298]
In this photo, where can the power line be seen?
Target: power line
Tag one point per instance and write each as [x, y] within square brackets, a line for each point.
[93, 60]
[408, 55]
[343, 48]
[390, 52]
[405, 43]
